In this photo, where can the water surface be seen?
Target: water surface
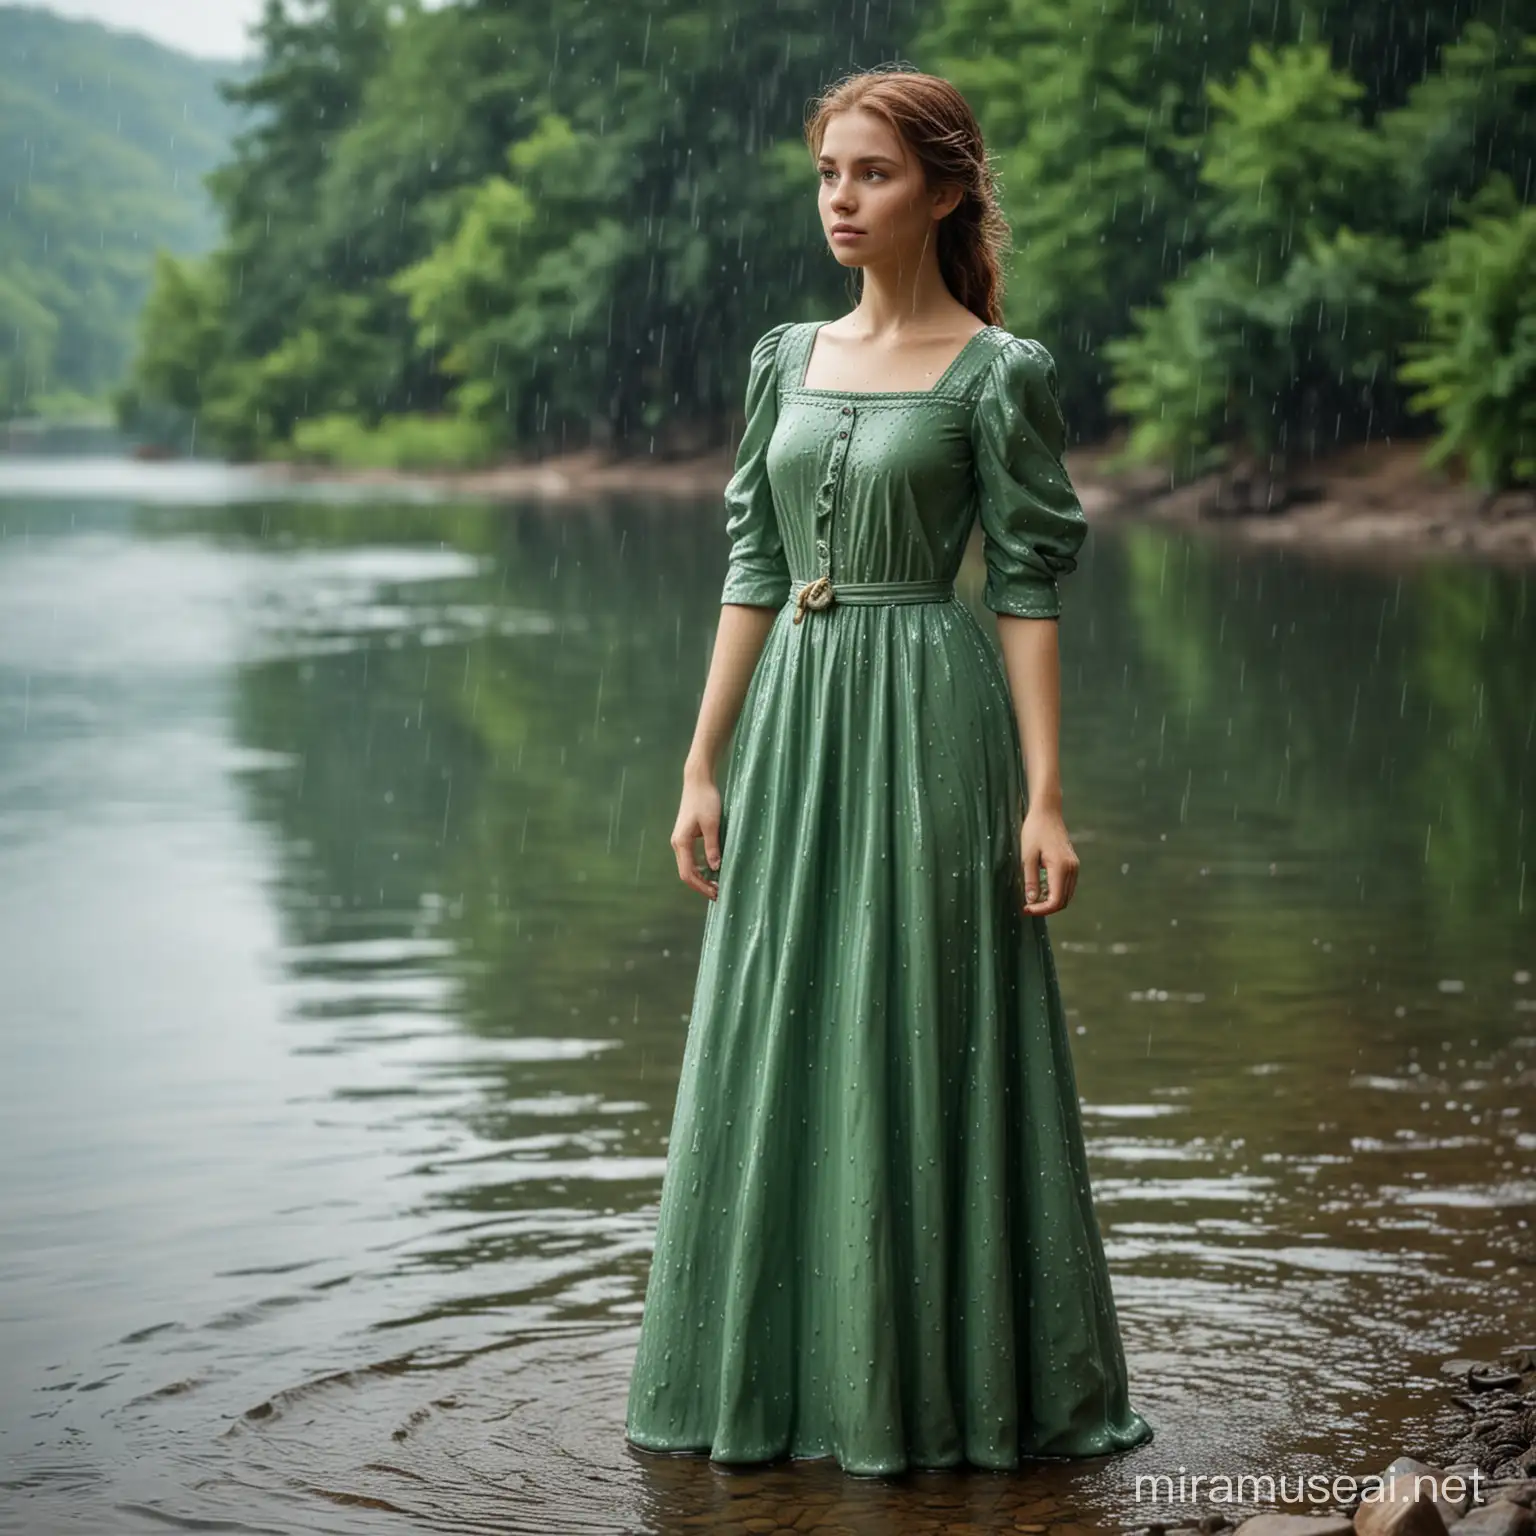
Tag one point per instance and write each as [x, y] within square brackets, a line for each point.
[346, 972]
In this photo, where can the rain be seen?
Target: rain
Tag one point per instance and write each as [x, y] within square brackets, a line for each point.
[441, 509]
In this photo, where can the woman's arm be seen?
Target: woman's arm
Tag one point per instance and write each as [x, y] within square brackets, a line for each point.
[739, 642]
[1032, 656]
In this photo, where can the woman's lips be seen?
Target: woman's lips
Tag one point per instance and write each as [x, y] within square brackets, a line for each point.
[847, 234]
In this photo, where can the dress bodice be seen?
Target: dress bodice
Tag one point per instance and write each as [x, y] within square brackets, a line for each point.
[885, 487]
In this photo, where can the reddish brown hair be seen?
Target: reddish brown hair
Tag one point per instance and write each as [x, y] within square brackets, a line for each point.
[937, 125]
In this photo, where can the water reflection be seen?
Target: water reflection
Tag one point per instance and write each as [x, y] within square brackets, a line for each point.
[347, 971]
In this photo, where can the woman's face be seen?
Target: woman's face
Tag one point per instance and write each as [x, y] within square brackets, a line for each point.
[875, 207]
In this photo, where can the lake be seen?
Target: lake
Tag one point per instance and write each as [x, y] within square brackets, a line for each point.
[346, 969]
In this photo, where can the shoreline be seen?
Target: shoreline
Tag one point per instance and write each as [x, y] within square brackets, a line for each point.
[1477, 1479]
[1368, 500]
[1374, 500]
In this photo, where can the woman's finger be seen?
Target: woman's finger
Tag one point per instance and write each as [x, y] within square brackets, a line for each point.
[1056, 887]
[683, 840]
[1031, 861]
[708, 880]
[685, 846]
[1062, 880]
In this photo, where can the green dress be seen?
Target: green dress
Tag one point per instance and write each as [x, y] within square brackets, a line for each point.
[876, 1238]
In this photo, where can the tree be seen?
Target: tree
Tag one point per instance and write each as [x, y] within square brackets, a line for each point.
[1477, 365]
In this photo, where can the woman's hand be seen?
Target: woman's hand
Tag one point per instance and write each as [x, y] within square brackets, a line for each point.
[1043, 842]
[698, 816]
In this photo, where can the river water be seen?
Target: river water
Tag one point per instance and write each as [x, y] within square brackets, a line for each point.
[344, 972]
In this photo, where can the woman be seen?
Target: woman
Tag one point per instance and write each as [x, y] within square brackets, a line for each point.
[876, 1238]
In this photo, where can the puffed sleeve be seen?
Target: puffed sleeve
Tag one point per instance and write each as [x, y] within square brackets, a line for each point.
[758, 573]
[1031, 521]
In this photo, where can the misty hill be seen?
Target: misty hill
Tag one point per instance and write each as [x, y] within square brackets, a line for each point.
[104, 140]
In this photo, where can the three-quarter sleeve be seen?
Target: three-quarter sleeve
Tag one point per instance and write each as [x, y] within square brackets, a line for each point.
[758, 573]
[1031, 520]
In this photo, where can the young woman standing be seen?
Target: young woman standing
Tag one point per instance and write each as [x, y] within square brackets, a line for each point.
[877, 1240]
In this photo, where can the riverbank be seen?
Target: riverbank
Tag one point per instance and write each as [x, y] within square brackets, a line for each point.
[570, 476]
[1376, 499]
[1479, 1479]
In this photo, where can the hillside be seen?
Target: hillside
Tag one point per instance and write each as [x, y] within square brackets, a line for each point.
[104, 140]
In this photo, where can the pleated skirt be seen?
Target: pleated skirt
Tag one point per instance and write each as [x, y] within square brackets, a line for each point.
[876, 1238]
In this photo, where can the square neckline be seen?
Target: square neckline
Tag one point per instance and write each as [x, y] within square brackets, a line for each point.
[800, 387]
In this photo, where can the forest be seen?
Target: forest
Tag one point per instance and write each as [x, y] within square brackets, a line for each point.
[455, 233]
[104, 141]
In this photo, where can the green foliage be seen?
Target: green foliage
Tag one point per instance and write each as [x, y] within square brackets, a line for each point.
[445, 208]
[317, 58]
[1230, 367]
[562, 227]
[180, 331]
[329, 363]
[1286, 340]
[398, 442]
[181, 341]
[519, 291]
[1095, 114]
[1287, 158]
[1233, 213]
[104, 140]
[31, 331]
[1272, 343]
[1394, 50]
[1477, 365]
[1468, 120]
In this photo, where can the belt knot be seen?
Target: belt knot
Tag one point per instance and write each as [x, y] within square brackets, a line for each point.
[815, 594]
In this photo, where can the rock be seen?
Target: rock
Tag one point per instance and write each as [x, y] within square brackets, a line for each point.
[1497, 1435]
[1487, 1378]
[1410, 1502]
[1501, 1518]
[1295, 1525]
[1502, 1424]
[1519, 1491]
[1457, 1487]
[1398, 1517]
[1211, 1523]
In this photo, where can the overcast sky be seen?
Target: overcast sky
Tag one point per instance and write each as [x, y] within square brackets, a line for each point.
[214, 28]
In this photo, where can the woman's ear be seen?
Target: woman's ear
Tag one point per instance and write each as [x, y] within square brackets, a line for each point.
[947, 198]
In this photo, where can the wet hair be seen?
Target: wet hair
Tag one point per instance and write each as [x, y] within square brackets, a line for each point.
[936, 123]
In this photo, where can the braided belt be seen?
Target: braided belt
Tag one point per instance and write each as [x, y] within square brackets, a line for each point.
[821, 593]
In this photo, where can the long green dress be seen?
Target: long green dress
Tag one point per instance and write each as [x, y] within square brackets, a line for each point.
[876, 1238]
